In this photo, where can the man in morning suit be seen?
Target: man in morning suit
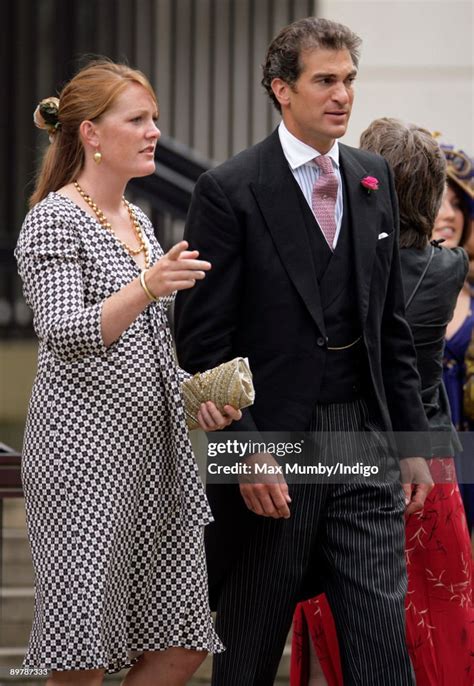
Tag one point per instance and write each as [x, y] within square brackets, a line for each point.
[306, 284]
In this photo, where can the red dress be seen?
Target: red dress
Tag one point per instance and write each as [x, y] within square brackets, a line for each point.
[439, 604]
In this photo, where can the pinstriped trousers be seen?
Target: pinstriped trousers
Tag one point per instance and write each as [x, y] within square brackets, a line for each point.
[352, 534]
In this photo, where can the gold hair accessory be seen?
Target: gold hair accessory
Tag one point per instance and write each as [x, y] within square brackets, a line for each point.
[151, 296]
[46, 114]
[228, 384]
[142, 246]
[97, 157]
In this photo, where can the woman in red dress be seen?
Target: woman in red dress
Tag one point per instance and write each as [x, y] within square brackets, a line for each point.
[439, 607]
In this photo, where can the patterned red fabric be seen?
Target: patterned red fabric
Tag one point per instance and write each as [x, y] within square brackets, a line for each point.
[439, 603]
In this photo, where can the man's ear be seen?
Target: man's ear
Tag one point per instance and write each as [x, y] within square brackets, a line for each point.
[88, 133]
[281, 91]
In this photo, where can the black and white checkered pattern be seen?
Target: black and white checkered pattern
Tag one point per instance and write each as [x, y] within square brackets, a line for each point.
[114, 501]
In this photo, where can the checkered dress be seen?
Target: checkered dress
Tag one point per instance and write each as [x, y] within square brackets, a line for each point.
[114, 501]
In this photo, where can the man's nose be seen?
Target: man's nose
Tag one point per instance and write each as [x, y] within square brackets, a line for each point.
[340, 93]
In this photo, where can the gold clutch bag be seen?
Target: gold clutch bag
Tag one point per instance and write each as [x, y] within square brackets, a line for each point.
[228, 384]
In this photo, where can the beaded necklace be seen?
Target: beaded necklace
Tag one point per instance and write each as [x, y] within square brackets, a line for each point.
[142, 247]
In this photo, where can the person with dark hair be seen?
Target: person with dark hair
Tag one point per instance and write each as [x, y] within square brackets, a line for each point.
[302, 233]
[454, 225]
[439, 610]
[115, 506]
[283, 58]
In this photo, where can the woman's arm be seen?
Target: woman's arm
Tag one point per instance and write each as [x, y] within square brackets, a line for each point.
[50, 265]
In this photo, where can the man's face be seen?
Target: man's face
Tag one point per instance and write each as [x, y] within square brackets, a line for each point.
[318, 106]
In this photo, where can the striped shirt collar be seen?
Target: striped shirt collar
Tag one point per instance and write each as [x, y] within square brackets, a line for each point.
[298, 153]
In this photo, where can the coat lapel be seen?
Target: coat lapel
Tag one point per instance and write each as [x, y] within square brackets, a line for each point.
[361, 208]
[276, 195]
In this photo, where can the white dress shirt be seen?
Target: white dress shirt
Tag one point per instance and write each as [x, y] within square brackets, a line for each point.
[300, 158]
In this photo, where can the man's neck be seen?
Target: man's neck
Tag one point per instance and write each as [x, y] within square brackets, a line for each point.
[322, 146]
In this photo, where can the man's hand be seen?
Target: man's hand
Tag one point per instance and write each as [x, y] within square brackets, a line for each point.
[416, 481]
[265, 494]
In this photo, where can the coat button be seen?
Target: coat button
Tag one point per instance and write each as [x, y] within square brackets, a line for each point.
[321, 341]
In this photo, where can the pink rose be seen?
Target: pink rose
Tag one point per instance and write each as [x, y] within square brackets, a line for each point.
[371, 183]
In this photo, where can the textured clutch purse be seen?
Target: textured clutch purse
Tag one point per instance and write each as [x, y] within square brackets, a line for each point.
[228, 384]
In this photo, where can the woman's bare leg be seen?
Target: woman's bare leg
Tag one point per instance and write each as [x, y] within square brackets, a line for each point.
[172, 667]
[79, 677]
[316, 674]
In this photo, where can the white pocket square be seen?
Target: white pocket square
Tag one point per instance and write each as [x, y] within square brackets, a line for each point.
[383, 235]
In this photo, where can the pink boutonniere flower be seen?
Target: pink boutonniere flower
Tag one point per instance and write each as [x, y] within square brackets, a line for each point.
[370, 183]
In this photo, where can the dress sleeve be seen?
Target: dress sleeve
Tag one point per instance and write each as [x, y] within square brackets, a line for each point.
[49, 264]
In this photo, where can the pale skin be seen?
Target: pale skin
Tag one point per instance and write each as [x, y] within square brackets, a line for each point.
[316, 674]
[449, 225]
[449, 221]
[316, 110]
[126, 136]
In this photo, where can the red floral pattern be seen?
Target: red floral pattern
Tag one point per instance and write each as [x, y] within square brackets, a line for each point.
[439, 603]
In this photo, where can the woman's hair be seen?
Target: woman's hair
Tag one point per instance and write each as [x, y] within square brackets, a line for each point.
[419, 169]
[464, 205]
[283, 61]
[87, 96]
[460, 170]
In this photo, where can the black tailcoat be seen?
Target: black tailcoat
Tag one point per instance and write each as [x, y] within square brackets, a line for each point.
[262, 299]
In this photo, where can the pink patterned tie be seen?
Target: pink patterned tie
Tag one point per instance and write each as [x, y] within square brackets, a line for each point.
[323, 199]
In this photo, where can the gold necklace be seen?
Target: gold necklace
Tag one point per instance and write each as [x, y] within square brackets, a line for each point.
[142, 247]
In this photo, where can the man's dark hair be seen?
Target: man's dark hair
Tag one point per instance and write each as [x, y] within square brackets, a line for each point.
[283, 55]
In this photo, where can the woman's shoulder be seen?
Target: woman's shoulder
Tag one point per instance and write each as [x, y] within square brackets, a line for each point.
[47, 222]
[445, 278]
[454, 262]
[46, 207]
[53, 208]
[438, 276]
[451, 255]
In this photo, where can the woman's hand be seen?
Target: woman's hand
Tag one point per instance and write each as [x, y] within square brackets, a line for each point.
[211, 419]
[417, 482]
[177, 270]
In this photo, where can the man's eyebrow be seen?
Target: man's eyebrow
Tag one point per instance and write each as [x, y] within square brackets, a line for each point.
[324, 75]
